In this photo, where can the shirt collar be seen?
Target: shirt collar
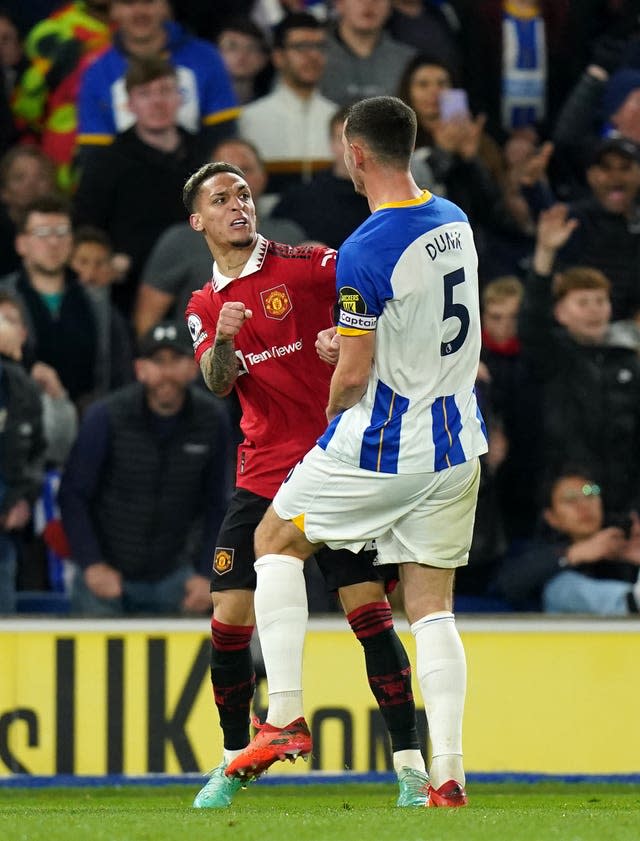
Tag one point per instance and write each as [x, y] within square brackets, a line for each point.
[253, 264]
[421, 199]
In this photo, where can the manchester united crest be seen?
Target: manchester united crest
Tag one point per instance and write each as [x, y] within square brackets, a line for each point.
[276, 302]
[223, 560]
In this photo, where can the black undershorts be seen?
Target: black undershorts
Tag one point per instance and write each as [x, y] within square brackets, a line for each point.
[234, 557]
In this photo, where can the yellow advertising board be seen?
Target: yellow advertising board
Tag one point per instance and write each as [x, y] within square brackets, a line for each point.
[134, 697]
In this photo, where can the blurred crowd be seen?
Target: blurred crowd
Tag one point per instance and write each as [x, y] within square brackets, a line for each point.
[115, 461]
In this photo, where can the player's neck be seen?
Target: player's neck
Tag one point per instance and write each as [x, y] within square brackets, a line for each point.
[391, 188]
[231, 262]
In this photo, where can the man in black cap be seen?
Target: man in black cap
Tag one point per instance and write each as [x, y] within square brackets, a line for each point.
[622, 146]
[607, 236]
[145, 488]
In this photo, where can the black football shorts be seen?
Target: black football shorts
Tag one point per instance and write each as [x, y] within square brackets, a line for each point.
[233, 560]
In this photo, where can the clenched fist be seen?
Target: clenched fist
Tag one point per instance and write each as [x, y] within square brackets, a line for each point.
[232, 316]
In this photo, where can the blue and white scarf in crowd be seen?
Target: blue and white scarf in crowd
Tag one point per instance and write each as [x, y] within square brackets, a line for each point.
[524, 69]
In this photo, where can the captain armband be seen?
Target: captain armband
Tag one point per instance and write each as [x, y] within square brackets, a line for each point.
[356, 321]
[354, 313]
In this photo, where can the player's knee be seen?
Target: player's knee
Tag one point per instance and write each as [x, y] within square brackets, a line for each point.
[233, 607]
[355, 596]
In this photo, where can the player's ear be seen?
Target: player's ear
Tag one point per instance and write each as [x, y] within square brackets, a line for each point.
[358, 154]
[195, 220]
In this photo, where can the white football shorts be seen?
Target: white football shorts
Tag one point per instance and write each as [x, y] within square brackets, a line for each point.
[425, 518]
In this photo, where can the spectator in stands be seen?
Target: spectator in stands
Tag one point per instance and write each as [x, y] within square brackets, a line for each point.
[60, 319]
[621, 105]
[207, 104]
[59, 49]
[510, 407]
[526, 162]
[12, 58]
[144, 489]
[525, 190]
[604, 102]
[289, 125]
[59, 415]
[518, 61]
[504, 399]
[328, 208]
[445, 139]
[132, 190]
[26, 173]
[245, 52]
[21, 468]
[429, 27]
[362, 59]
[607, 233]
[455, 157]
[92, 261]
[180, 261]
[591, 389]
[579, 563]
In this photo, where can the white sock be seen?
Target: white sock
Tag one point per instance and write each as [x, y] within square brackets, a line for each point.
[281, 618]
[408, 759]
[230, 755]
[442, 674]
[284, 707]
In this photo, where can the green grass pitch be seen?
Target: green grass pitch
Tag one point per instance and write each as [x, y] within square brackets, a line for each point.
[549, 811]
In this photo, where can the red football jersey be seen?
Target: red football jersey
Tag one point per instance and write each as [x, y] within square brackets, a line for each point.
[283, 386]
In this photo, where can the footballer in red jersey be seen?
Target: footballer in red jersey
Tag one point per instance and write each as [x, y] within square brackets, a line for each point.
[254, 327]
[282, 384]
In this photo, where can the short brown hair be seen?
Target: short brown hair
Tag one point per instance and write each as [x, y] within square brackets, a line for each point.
[141, 71]
[192, 187]
[51, 203]
[579, 277]
[506, 286]
[387, 125]
[92, 234]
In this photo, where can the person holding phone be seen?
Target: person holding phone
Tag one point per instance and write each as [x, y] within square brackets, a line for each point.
[453, 155]
[446, 126]
[457, 158]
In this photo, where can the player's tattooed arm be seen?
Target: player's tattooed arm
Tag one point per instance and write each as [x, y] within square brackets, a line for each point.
[219, 366]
